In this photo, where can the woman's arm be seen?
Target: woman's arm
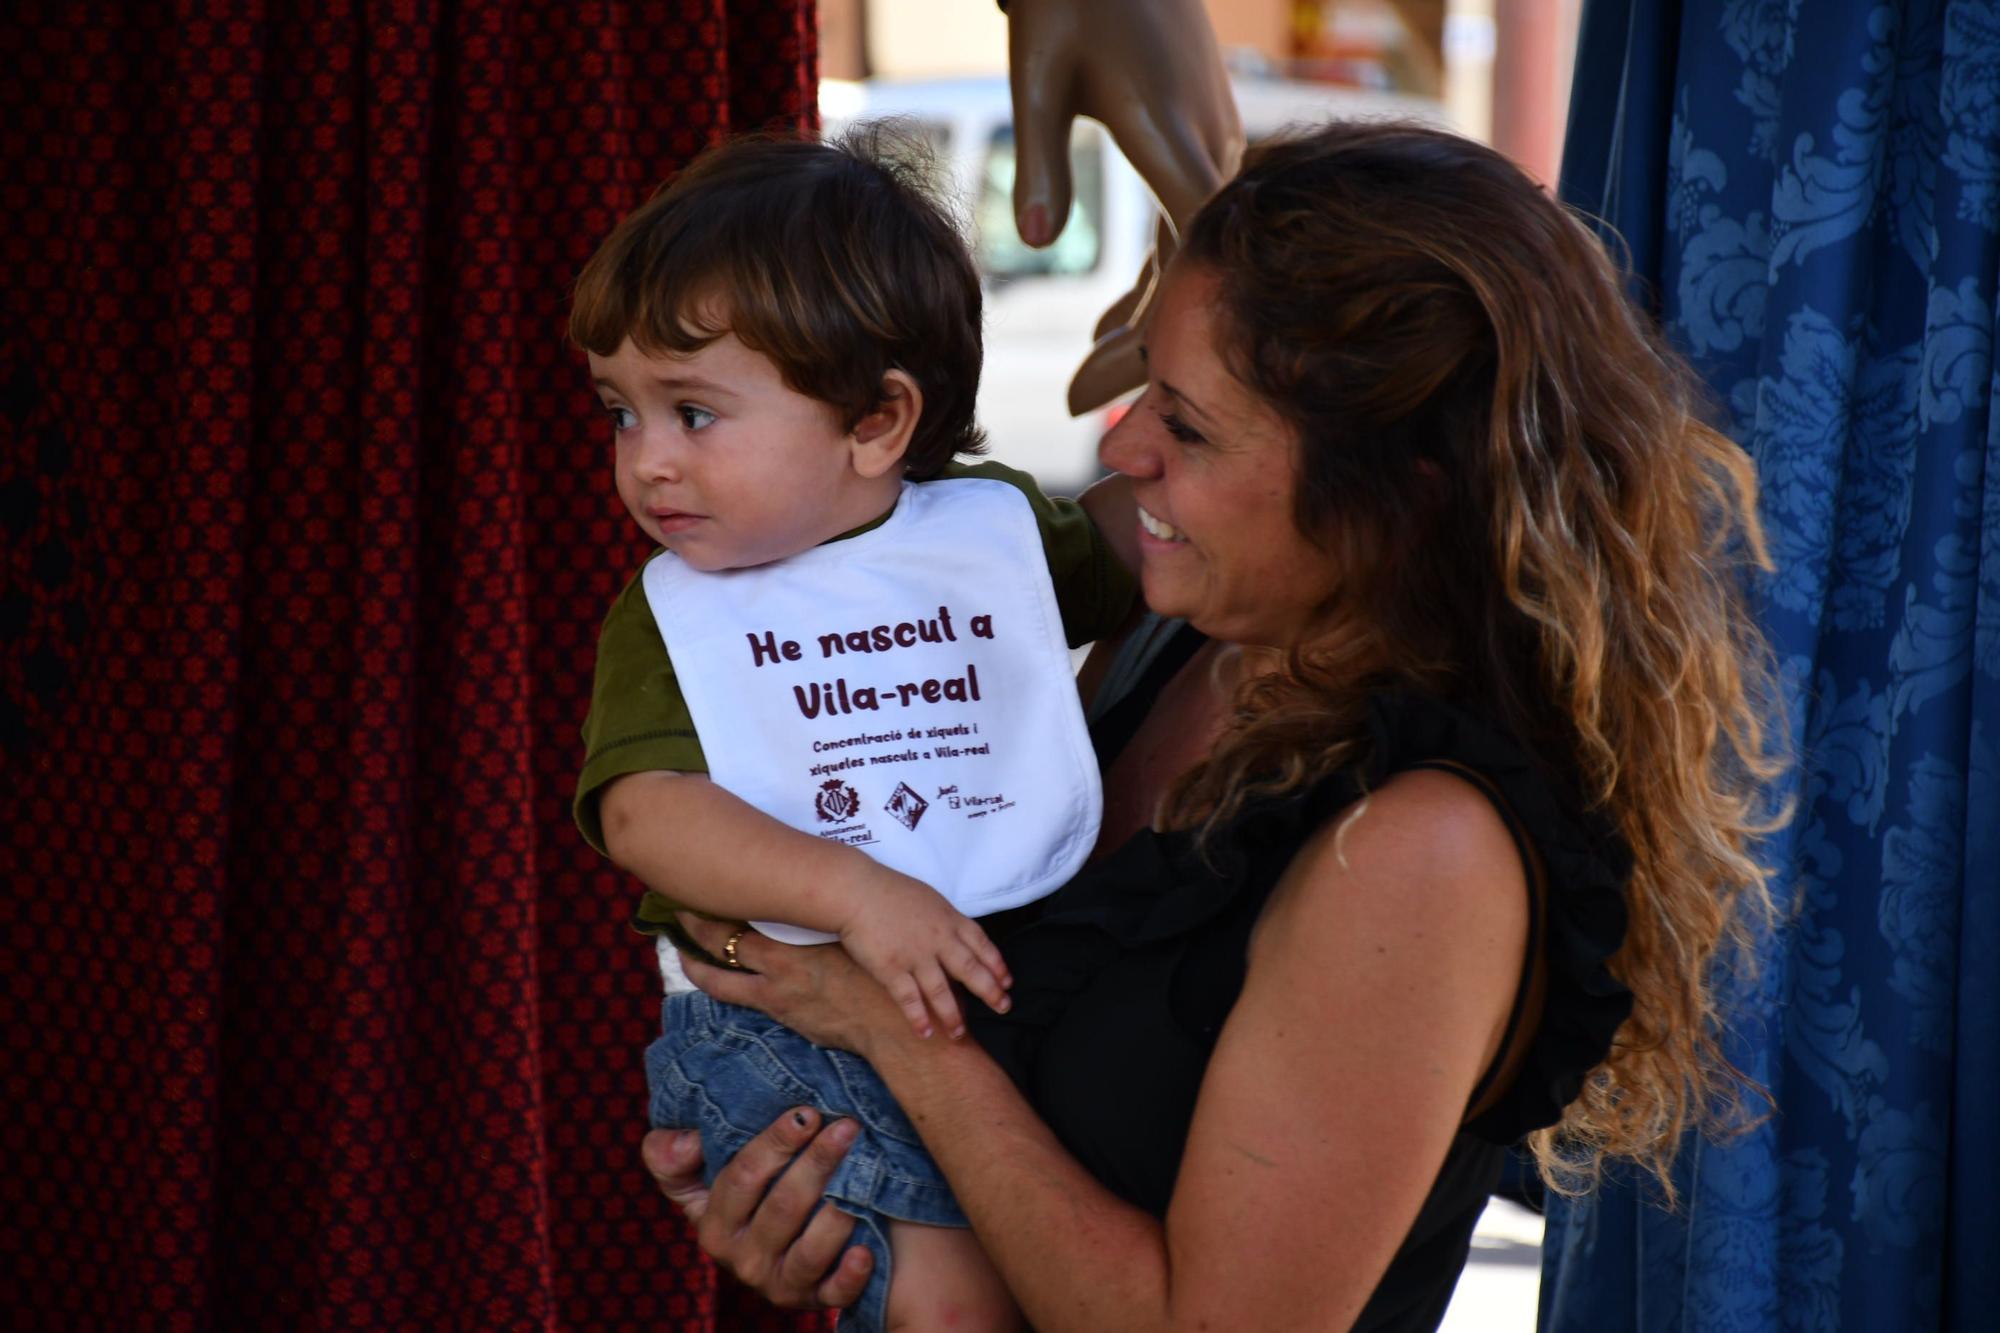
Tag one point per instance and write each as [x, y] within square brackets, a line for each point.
[1381, 977]
[1379, 983]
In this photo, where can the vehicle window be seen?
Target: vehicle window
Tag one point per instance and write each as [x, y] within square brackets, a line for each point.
[1002, 254]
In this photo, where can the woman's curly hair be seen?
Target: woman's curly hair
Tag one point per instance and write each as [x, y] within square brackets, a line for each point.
[1509, 472]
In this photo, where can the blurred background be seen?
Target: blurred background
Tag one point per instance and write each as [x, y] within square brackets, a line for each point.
[1495, 70]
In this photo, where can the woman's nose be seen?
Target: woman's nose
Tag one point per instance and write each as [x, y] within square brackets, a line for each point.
[1124, 447]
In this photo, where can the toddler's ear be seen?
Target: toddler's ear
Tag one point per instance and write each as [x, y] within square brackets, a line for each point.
[881, 438]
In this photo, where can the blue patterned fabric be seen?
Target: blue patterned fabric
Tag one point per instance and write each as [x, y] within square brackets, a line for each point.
[1810, 190]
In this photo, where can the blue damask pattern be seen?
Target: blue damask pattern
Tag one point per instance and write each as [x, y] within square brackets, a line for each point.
[1810, 190]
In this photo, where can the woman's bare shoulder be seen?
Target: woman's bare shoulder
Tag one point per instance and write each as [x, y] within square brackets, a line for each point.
[1424, 861]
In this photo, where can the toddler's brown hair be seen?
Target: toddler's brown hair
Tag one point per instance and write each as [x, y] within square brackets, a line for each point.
[831, 257]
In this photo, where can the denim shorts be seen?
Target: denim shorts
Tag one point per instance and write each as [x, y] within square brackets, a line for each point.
[730, 1072]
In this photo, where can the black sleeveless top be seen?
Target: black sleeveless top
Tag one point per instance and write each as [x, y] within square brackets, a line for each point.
[1124, 979]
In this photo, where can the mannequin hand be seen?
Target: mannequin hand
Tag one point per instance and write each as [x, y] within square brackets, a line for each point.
[1149, 70]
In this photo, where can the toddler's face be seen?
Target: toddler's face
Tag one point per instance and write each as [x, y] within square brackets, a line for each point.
[719, 460]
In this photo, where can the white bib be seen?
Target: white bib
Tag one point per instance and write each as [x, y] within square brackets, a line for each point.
[907, 691]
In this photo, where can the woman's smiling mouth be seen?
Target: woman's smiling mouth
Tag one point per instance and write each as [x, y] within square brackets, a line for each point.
[1158, 529]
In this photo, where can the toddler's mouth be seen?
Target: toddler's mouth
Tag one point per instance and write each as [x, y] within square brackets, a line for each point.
[674, 520]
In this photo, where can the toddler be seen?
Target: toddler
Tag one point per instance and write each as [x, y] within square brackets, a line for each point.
[838, 701]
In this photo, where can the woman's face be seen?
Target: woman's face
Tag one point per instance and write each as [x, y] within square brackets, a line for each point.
[1214, 468]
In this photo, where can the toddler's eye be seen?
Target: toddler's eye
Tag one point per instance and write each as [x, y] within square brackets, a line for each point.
[622, 418]
[694, 418]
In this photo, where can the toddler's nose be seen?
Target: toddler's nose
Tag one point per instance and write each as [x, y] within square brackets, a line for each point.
[659, 457]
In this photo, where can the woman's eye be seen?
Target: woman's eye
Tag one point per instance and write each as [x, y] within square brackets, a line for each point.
[622, 418]
[1180, 430]
[694, 418]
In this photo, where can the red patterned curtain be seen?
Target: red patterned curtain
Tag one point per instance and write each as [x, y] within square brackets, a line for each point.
[318, 1013]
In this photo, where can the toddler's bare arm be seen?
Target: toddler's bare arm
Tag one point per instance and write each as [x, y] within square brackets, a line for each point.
[709, 849]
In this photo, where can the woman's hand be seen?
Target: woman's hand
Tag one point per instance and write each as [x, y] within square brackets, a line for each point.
[758, 1221]
[1149, 70]
[815, 990]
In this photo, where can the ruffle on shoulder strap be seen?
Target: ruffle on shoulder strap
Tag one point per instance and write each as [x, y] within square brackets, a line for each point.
[1588, 867]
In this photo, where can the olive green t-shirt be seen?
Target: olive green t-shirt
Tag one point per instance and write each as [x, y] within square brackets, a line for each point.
[639, 722]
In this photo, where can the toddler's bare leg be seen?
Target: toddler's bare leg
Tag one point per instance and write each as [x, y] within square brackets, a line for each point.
[943, 1280]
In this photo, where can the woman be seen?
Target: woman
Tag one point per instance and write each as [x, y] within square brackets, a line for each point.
[1452, 781]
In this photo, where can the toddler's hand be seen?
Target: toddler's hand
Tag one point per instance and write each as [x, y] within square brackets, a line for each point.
[915, 943]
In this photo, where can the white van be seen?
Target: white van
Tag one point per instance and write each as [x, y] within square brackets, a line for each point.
[1042, 304]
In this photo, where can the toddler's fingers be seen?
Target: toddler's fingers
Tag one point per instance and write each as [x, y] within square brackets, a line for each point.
[987, 952]
[972, 973]
[937, 990]
[909, 997]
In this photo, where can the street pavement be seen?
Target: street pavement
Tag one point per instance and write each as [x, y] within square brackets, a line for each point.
[1497, 1292]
